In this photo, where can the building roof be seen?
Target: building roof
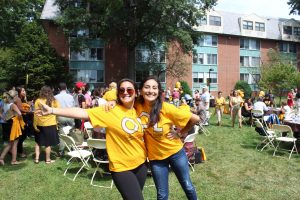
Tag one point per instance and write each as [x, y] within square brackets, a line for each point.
[50, 10]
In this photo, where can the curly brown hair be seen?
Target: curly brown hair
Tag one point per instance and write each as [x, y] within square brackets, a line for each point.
[46, 92]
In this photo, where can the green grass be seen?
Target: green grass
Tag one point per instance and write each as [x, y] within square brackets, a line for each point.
[233, 170]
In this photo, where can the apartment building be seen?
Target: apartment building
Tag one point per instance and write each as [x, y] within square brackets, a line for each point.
[232, 48]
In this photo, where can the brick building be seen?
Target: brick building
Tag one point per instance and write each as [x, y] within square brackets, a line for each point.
[232, 48]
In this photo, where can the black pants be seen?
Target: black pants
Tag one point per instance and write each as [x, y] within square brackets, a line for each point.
[27, 131]
[130, 183]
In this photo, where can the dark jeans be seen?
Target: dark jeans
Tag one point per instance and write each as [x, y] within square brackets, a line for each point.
[130, 183]
[27, 131]
[180, 166]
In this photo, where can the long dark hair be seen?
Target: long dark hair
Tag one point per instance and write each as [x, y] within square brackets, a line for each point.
[46, 92]
[118, 88]
[155, 110]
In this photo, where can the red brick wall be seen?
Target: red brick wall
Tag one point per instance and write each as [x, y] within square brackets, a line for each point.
[183, 59]
[265, 46]
[115, 62]
[228, 63]
[56, 38]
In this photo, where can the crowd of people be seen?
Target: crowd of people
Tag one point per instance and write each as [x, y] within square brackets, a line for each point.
[141, 125]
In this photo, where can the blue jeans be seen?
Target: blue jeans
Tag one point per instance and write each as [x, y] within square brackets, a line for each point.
[180, 166]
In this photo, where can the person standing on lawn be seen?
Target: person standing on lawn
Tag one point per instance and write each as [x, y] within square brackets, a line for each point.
[124, 138]
[164, 147]
[45, 126]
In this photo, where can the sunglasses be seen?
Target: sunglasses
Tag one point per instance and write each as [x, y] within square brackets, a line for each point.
[129, 91]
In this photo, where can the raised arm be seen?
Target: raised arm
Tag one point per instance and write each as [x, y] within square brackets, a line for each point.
[75, 112]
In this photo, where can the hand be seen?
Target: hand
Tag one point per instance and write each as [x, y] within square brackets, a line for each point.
[173, 135]
[43, 110]
[109, 105]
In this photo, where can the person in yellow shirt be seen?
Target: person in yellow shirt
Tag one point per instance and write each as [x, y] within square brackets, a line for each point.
[45, 126]
[124, 138]
[235, 104]
[219, 108]
[111, 94]
[163, 147]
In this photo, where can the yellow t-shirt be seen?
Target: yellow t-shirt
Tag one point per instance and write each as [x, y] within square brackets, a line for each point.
[158, 145]
[124, 136]
[220, 102]
[48, 120]
[110, 95]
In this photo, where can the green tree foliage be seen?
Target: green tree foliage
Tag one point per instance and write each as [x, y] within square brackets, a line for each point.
[295, 6]
[244, 86]
[185, 87]
[25, 48]
[278, 75]
[13, 15]
[134, 21]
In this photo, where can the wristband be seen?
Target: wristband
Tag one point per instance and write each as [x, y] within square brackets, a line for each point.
[52, 111]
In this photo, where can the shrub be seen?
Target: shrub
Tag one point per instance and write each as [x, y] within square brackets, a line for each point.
[185, 87]
[242, 85]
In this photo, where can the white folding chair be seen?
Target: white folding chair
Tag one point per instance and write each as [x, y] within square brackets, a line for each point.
[88, 128]
[203, 120]
[257, 114]
[268, 136]
[289, 138]
[75, 154]
[191, 138]
[66, 129]
[99, 144]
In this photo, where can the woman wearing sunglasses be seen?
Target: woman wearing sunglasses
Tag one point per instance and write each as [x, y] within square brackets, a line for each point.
[124, 138]
[165, 148]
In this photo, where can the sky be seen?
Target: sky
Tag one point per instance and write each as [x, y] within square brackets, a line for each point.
[264, 8]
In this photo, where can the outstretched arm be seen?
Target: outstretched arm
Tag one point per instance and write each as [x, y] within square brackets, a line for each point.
[77, 113]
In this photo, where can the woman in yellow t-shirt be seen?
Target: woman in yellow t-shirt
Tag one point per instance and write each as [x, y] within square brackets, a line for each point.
[235, 103]
[220, 102]
[163, 148]
[124, 138]
[45, 126]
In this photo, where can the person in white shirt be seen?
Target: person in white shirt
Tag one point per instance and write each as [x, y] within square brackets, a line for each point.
[205, 98]
[259, 105]
[66, 101]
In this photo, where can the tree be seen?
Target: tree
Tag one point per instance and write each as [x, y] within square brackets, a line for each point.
[295, 6]
[133, 22]
[13, 15]
[278, 75]
[244, 86]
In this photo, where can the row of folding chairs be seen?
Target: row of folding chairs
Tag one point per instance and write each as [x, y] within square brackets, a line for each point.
[273, 138]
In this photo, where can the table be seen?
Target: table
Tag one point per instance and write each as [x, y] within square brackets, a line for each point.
[271, 110]
[295, 126]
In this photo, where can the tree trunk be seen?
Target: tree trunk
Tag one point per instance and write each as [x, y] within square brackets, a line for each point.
[131, 64]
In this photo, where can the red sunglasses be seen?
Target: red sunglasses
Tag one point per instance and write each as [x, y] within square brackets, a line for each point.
[129, 91]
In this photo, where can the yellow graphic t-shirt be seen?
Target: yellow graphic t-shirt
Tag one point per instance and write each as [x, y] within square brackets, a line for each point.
[48, 120]
[220, 102]
[124, 137]
[158, 145]
[110, 95]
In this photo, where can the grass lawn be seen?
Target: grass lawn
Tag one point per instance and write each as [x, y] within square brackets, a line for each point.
[233, 170]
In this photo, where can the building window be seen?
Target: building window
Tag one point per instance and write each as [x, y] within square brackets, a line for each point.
[147, 56]
[198, 77]
[287, 47]
[244, 77]
[213, 77]
[203, 21]
[255, 61]
[244, 61]
[260, 26]
[140, 75]
[198, 58]
[248, 25]
[96, 54]
[212, 59]
[214, 20]
[209, 40]
[297, 31]
[255, 79]
[88, 76]
[250, 44]
[287, 30]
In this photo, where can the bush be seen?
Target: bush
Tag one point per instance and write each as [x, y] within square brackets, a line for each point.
[242, 85]
[185, 87]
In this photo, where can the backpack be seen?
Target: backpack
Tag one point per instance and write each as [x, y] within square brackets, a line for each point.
[78, 99]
